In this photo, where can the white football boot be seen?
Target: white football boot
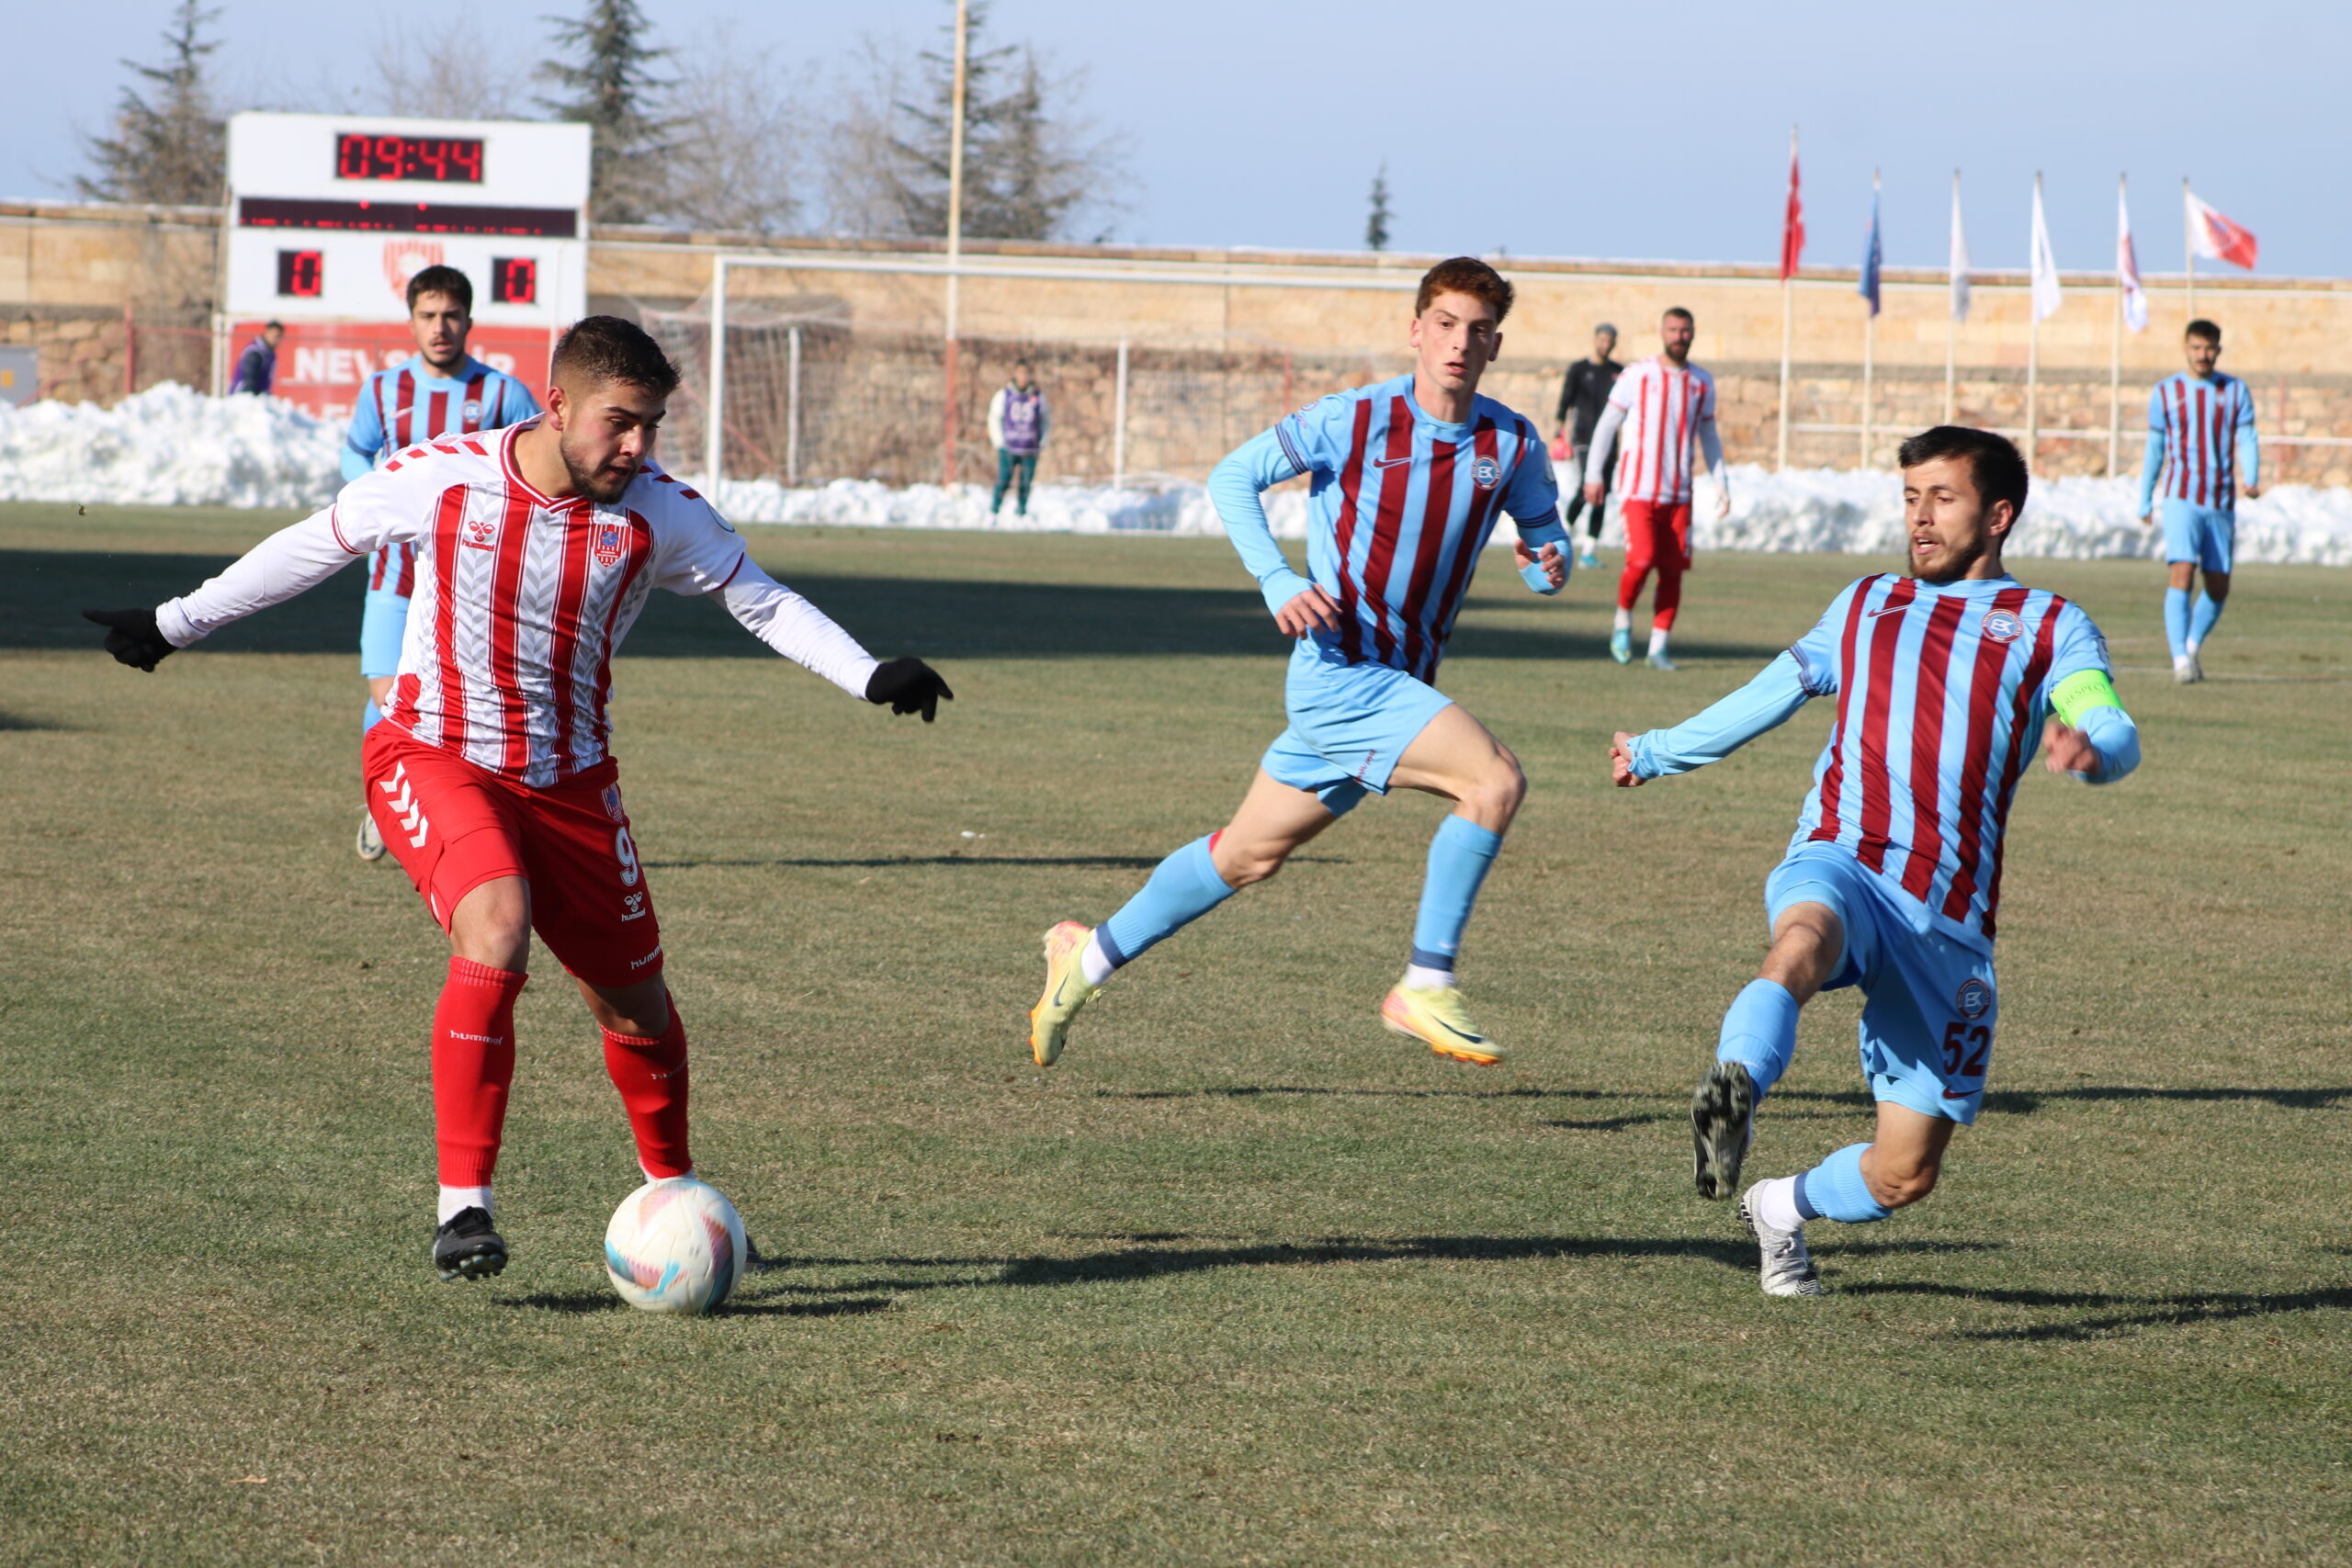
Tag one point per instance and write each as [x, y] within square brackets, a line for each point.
[1787, 1268]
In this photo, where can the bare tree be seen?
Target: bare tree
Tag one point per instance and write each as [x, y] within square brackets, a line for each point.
[734, 158]
[444, 75]
[170, 144]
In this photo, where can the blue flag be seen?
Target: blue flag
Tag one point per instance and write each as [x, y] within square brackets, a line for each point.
[1871, 253]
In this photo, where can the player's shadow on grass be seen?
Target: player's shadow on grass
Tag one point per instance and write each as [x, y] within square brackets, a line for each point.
[42, 594]
[893, 863]
[2131, 1312]
[581, 1302]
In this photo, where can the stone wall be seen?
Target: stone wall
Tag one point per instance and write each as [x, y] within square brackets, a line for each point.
[1222, 341]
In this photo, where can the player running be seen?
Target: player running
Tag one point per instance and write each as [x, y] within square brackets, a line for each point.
[489, 776]
[1666, 407]
[1943, 679]
[1584, 391]
[1409, 476]
[439, 391]
[2200, 437]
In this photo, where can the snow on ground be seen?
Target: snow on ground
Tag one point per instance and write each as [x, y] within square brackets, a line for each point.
[171, 446]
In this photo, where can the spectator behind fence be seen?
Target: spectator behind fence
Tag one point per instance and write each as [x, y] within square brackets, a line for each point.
[257, 366]
[1017, 430]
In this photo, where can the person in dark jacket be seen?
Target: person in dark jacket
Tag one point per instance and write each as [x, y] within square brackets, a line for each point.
[257, 366]
[1585, 390]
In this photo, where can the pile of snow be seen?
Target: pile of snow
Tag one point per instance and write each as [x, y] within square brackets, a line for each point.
[169, 446]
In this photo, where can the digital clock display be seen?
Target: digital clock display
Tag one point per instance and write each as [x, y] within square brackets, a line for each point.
[437, 160]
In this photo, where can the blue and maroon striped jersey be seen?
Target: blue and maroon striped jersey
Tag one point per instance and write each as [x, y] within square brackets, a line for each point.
[1943, 690]
[2198, 433]
[406, 404]
[1402, 504]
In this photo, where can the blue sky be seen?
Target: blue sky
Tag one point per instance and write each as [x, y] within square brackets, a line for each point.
[1543, 130]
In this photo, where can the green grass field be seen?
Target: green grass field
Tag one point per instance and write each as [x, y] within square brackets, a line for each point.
[1245, 1279]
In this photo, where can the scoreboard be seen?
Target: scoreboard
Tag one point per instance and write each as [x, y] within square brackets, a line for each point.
[331, 215]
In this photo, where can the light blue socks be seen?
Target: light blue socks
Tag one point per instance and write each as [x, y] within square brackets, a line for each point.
[1459, 856]
[2176, 621]
[1181, 890]
[1834, 1189]
[1760, 1033]
[2201, 619]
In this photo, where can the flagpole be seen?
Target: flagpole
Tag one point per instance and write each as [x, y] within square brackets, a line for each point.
[1788, 273]
[2033, 349]
[2188, 246]
[955, 243]
[1951, 323]
[2115, 353]
[1870, 331]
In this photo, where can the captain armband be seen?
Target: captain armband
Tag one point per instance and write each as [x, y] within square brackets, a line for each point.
[2080, 693]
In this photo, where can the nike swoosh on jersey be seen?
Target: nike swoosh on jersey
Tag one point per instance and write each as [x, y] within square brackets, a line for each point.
[1887, 610]
[1389, 462]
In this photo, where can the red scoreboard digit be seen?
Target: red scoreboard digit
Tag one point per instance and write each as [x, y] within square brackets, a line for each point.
[514, 281]
[301, 275]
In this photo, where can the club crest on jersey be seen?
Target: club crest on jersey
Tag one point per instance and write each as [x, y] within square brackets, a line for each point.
[610, 544]
[1485, 472]
[1975, 998]
[481, 533]
[473, 411]
[2001, 626]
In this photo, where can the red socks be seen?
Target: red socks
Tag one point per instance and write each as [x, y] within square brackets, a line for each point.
[473, 1067]
[651, 1077]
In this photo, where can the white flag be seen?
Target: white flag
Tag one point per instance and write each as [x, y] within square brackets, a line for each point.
[2046, 295]
[2127, 266]
[1959, 256]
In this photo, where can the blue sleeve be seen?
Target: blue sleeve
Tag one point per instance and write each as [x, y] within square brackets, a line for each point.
[519, 404]
[2249, 444]
[1534, 498]
[1764, 704]
[2117, 739]
[1257, 464]
[2151, 462]
[2077, 646]
[1816, 652]
[366, 437]
[1306, 437]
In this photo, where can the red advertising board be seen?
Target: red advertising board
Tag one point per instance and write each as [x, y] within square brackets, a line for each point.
[322, 364]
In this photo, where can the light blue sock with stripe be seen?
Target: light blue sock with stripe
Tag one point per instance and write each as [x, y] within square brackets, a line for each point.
[1760, 1033]
[2201, 618]
[370, 718]
[1181, 890]
[1459, 856]
[1834, 1189]
[2176, 621]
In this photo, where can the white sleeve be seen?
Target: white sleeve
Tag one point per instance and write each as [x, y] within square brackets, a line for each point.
[299, 557]
[696, 551]
[797, 630]
[1045, 419]
[996, 420]
[1710, 441]
[1604, 437]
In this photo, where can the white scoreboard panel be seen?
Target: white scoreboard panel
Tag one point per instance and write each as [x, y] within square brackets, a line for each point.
[330, 215]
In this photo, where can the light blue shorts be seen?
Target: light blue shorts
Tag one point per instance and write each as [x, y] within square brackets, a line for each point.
[2206, 534]
[1348, 724]
[383, 620]
[1931, 1007]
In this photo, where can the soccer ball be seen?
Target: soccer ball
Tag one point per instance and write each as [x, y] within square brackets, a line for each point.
[675, 1245]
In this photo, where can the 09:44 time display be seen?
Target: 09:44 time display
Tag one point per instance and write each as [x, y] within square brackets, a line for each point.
[441, 160]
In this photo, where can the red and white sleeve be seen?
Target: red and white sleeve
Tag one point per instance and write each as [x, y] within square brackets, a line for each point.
[296, 558]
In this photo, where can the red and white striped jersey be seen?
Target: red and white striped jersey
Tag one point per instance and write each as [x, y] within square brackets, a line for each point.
[1664, 408]
[521, 600]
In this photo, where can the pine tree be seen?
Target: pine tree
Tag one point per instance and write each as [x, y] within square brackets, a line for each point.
[612, 89]
[1375, 228]
[1025, 172]
[169, 144]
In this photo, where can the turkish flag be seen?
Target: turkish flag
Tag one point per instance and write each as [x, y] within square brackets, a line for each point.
[2210, 234]
[1792, 224]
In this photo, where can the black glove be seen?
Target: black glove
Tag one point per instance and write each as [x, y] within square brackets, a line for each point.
[909, 685]
[132, 637]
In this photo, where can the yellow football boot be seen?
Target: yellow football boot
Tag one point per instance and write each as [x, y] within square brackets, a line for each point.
[1435, 1014]
[1067, 990]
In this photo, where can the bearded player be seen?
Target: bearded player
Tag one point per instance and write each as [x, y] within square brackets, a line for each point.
[1410, 476]
[439, 391]
[1943, 680]
[489, 776]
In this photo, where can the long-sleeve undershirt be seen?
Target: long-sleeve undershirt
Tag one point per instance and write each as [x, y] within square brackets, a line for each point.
[1257, 464]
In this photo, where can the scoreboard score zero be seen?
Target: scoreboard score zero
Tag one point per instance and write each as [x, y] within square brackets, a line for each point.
[331, 215]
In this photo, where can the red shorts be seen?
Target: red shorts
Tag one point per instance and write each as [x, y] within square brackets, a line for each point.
[453, 827]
